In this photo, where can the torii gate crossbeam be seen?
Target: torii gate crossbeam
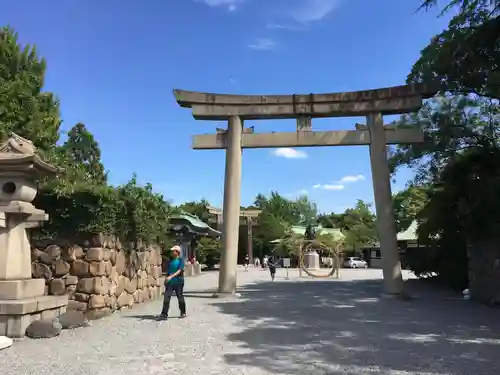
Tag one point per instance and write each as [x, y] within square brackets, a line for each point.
[250, 216]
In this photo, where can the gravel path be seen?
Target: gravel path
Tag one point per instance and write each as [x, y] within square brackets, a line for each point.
[292, 327]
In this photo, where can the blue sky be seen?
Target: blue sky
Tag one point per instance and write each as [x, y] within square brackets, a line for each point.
[114, 63]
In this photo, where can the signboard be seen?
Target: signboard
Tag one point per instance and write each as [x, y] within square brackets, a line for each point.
[286, 262]
[304, 123]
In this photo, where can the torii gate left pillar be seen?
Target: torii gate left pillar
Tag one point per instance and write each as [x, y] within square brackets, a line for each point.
[231, 212]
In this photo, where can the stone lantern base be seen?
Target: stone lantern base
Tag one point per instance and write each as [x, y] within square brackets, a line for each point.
[22, 302]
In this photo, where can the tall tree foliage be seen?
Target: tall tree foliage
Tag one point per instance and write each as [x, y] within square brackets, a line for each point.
[83, 155]
[407, 205]
[464, 58]
[451, 125]
[198, 209]
[24, 108]
[357, 224]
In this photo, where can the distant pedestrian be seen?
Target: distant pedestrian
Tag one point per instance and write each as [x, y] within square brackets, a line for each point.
[257, 262]
[174, 284]
[247, 262]
[272, 267]
[264, 261]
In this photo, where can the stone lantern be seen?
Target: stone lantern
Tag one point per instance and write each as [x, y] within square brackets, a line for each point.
[22, 298]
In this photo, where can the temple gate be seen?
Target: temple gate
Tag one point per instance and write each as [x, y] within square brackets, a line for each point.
[373, 104]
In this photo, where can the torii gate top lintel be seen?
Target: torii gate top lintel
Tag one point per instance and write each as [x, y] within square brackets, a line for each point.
[388, 100]
[243, 213]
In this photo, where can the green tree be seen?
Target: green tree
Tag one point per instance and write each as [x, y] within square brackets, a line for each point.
[306, 210]
[199, 209]
[465, 57]
[83, 156]
[359, 226]
[450, 125]
[458, 166]
[208, 251]
[24, 108]
[407, 205]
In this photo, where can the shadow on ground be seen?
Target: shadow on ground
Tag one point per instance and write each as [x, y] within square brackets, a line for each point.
[345, 327]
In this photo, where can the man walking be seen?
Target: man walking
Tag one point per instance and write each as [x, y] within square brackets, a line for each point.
[174, 283]
[272, 267]
[247, 262]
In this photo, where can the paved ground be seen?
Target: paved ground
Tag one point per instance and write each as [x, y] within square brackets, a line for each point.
[292, 327]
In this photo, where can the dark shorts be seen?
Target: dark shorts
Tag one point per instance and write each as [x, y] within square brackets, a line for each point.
[272, 270]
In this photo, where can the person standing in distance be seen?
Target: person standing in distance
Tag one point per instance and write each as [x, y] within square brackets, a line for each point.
[272, 267]
[174, 284]
[247, 262]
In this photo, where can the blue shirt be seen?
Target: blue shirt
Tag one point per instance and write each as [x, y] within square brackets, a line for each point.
[173, 266]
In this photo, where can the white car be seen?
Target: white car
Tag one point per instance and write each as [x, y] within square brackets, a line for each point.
[355, 262]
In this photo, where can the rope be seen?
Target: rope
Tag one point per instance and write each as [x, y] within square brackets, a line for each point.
[305, 248]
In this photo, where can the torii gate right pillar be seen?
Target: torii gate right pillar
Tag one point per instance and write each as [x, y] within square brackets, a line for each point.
[386, 227]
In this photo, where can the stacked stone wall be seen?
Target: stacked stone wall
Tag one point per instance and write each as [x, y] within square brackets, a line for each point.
[98, 275]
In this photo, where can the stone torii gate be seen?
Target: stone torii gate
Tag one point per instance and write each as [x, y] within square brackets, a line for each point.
[373, 104]
[250, 216]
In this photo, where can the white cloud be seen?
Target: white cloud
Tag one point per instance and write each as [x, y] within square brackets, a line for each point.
[230, 5]
[314, 10]
[289, 153]
[303, 192]
[329, 187]
[279, 26]
[348, 179]
[263, 44]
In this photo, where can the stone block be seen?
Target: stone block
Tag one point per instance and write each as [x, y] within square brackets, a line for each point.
[45, 259]
[72, 319]
[43, 329]
[122, 282]
[40, 270]
[113, 275]
[112, 256]
[97, 268]
[101, 285]
[97, 302]
[78, 306]
[131, 286]
[108, 268]
[3, 324]
[50, 314]
[151, 281]
[106, 254]
[71, 280]
[80, 268]
[98, 313]
[61, 268]
[70, 291]
[82, 297]
[85, 285]
[124, 300]
[94, 254]
[19, 289]
[72, 253]
[53, 251]
[112, 288]
[113, 302]
[36, 254]
[120, 262]
[17, 325]
[57, 287]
